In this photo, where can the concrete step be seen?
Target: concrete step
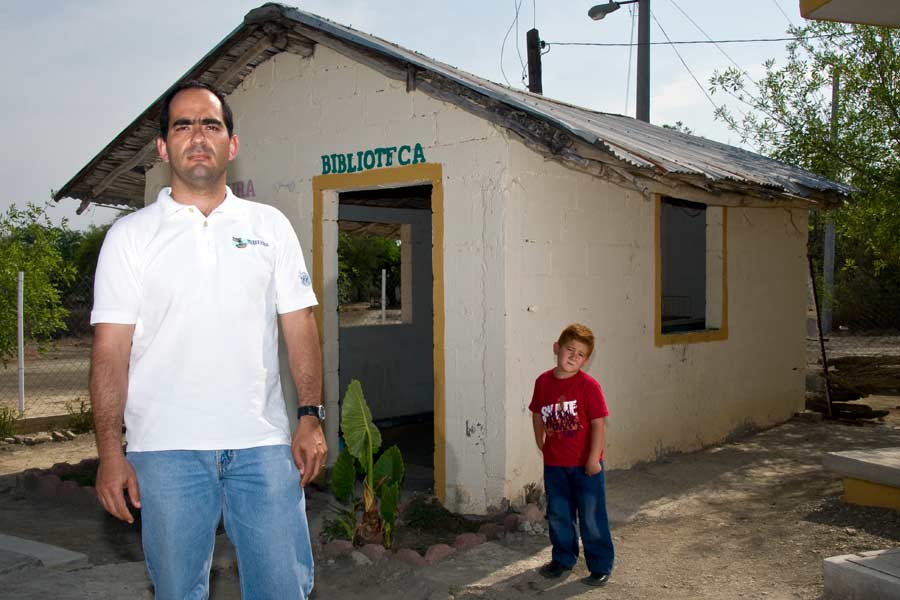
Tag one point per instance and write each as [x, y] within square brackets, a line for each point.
[863, 576]
[18, 549]
[870, 477]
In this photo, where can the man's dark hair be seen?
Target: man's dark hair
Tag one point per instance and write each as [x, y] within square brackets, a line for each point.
[193, 85]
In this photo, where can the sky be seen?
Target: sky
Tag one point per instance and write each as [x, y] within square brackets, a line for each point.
[77, 73]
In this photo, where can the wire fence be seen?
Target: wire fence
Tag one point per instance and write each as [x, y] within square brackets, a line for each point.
[56, 371]
[861, 349]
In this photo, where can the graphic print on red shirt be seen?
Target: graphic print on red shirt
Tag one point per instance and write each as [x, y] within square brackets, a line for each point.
[567, 407]
[562, 417]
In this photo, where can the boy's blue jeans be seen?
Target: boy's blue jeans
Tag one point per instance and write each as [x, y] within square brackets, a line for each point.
[571, 493]
[184, 493]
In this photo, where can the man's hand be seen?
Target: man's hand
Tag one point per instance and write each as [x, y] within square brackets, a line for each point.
[114, 475]
[593, 467]
[309, 448]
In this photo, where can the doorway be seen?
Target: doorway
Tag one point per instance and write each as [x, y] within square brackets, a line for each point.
[385, 317]
[403, 204]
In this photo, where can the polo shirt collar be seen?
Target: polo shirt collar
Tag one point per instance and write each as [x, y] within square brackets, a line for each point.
[231, 205]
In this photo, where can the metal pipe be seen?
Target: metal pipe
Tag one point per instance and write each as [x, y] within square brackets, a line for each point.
[20, 318]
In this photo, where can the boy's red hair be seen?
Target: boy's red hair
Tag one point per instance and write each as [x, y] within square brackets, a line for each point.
[579, 333]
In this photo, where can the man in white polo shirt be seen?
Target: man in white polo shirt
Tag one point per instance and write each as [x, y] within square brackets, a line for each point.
[187, 297]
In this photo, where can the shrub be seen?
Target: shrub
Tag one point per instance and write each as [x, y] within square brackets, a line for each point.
[81, 419]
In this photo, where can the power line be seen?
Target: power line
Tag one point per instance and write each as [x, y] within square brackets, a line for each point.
[630, 52]
[505, 37]
[678, 54]
[524, 75]
[718, 47]
[688, 42]
[781, 10]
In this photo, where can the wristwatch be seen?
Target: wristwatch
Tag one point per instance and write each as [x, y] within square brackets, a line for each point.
[315, 411]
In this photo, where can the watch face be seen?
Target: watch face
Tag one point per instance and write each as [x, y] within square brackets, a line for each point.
[312, 411]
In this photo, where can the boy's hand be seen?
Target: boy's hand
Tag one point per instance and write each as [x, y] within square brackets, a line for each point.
[593, 467]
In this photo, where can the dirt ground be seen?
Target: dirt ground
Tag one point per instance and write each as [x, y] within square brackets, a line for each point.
[749, 519]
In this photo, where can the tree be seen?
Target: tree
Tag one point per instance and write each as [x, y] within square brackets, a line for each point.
[30, 243]
[788, 116]
[360, 260]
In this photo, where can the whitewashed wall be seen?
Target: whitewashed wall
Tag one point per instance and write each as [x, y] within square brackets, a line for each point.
[580, 249]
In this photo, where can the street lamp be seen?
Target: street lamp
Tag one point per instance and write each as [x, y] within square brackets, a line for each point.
[642, 100]
[599, 11]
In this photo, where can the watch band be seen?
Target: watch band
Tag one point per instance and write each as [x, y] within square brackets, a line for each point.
[313, 411]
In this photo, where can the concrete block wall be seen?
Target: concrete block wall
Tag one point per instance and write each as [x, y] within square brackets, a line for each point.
[580, 249]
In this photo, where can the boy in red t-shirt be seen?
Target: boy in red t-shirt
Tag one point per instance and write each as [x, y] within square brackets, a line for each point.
[569, 417]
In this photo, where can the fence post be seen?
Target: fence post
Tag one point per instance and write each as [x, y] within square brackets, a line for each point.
[383, 292]
[20, 318]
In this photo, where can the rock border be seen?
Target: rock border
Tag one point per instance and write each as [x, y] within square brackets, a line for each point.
[529, 520]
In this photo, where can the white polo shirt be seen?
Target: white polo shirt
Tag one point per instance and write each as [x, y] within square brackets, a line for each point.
[202, 293]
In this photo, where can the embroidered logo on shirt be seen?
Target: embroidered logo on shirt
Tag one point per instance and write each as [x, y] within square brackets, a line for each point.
[304, 279]
[244, 242]
[561, 417]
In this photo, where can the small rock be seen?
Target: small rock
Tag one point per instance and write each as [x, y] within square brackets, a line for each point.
[538, 528]
[70, 435]
[526, 527]
[492, 531]
[337, 548]
[810, 416]
[532, 513]
[58, 436]
[850, 531]
[464, 541]
[360, 559]
[42, 438]
[10, 440]
[374, 552]
[502, 509]
[29, 440]
[410, 557]
[438, 552]
[19, 439]
[511, 522]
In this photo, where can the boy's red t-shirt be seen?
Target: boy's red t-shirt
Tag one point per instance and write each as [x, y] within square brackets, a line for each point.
[567, 407]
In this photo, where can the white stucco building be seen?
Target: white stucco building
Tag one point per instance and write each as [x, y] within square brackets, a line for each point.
[517, 215]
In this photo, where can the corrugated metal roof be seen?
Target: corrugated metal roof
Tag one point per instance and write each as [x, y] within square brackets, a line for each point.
[641, 149]
[640, 144]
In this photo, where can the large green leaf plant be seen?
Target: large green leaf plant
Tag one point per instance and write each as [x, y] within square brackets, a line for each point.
[376, 515]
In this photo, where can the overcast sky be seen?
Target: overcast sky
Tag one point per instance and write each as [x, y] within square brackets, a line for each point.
[77, 72]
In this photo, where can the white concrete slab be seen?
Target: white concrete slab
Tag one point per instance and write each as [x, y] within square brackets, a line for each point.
[863, 576]
[49, 556]
[13, 561]
[878, 465]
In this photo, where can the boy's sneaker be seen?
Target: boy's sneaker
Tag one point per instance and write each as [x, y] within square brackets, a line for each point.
[596, 579]
[553, 569]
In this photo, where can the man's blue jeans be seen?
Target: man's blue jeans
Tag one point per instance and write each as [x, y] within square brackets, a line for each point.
[571, 493]
[184, 493]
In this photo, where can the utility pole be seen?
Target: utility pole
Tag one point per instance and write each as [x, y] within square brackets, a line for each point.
[642, 101]
[533, 46]
[643, 62]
